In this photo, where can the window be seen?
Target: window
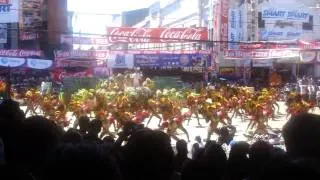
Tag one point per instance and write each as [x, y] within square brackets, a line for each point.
[308, 25]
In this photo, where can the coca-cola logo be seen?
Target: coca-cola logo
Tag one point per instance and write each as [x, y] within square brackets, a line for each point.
[133, 35]
[178, 35]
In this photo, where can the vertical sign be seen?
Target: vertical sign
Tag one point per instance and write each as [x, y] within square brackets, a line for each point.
[235, 28]
[9, 11]
[224, 24]
[3, 33]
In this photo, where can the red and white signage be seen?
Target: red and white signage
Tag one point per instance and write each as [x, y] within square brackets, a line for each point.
[309, 44]
[224, 24]
[19, 53]
[24, 36]
[58, 74]
[262, 54]
[68, 39]
[155, 35]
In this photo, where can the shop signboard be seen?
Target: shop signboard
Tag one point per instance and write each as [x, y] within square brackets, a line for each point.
[224, 21]
[280, 33]
[121, 61]
[31, 18]
[289, 13]
[155, 35]
[11, 62]
[39, 63]
[307, 56]
[69, 39]
[19, 53]
[3, 33]
[172, 60]
[9, 11]
[262, 53]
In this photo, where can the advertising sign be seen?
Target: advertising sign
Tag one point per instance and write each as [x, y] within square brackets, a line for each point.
[155, 35]
[262, 63]
[39, 63]
[280, 33]
[68, 39]
[285, 13]
[235, 28]
[11, 62]
[307, 56]
[59, 75]
[31, 17]
[121, 61]
[172, 60]
[80, 54]
[19, 53]
[224, 23]
[261, 54]
[3, 33]
[80, 63]
[9, 11]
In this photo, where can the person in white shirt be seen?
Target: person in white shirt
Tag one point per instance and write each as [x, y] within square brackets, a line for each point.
[137, 76]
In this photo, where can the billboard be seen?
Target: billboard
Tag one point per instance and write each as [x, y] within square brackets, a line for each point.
[224, 24]
[9, 11]
[155, 35]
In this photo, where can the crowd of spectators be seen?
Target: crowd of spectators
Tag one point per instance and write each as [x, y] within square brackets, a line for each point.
[36, 148]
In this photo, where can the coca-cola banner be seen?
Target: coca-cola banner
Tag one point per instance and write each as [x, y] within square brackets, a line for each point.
[172, 60]
[155, 35]
[19, 53]
[69, 39]
[261, 54]
[58, 75]
[39, 63]
[62, 63]
[224, 24]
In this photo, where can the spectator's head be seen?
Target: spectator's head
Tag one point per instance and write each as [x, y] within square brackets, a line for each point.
[9, 173]
[72, 136]
[10, 113]
[148, 155]
[260, 151]
[239, 149]
[301, 135]
[95, 127]
[84, 124]
[108, 140]
[79, 162]
[36, 139]
[182, 148]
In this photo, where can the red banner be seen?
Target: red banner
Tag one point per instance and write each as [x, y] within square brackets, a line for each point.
[80, 63]
[68, 39]
[24, 36]
[309, 44]
[58, 75]
[19, 53]
[224, 24]
[155, 35]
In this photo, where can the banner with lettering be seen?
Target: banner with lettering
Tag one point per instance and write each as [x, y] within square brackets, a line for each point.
[31, 19]
[20, 53]
[155, 35]
[58, 75]
[62, 63]
[224, 21]
[261, 54]
[172, 60]
[69, 39]
[9, 11]
[235, 28]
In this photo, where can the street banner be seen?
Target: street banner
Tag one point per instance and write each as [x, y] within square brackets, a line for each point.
[11, 62]
[105, 54]
[58, 75]
[155, 35]
[69, 39]
[121, 61]
[261, 54]
[224, 24]
[309, 44]
[9, 11]
[31, 19]
[62, 63]
[20, 53]
[39, 63]
[3, 33]
[172, 60]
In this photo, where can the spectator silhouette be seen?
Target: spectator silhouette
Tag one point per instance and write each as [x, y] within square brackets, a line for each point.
[182, 155]
[72, 136]
[148, 155]
[238, 162]
[10, 173]
[84, 122]
[79, 162]
[36, 139]
[301, 135]
[93, 132]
